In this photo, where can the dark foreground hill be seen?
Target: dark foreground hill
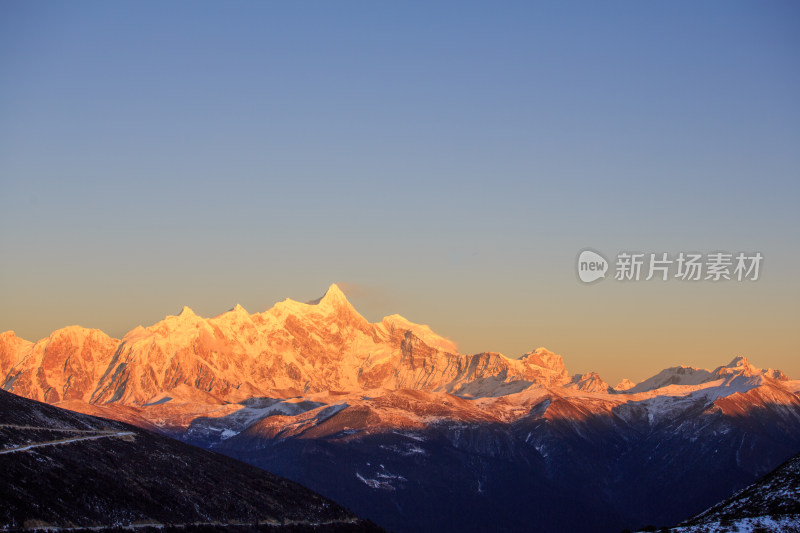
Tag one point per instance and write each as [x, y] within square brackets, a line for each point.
[63, 469]
[771, 505]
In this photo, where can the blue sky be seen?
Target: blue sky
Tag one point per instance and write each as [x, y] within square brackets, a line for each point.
[449, 159]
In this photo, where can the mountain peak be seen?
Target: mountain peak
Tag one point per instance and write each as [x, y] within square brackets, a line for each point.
[334, 294]
[236, 314]
[186, 312]
[545, 358]
[76, 331]
[333, 305]
[624, 385]
[590, 382]
[739, 366]
[739, 360]
[333, 297]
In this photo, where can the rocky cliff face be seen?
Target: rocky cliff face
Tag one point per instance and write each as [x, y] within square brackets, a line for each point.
[67, 365]
[12, 349]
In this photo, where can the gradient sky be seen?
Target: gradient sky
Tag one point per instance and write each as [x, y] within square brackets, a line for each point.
[443, 160]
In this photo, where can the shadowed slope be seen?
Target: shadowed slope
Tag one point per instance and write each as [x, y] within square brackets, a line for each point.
[81, 471]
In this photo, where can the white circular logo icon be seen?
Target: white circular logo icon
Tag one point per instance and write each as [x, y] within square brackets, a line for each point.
[591, 266]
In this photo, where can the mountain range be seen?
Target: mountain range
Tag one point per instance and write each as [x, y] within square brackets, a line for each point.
[289, 350]
[389, 419]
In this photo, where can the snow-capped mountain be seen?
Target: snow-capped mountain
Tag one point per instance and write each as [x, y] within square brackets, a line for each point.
[391, 420]
[687, 375]
[293, 348]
